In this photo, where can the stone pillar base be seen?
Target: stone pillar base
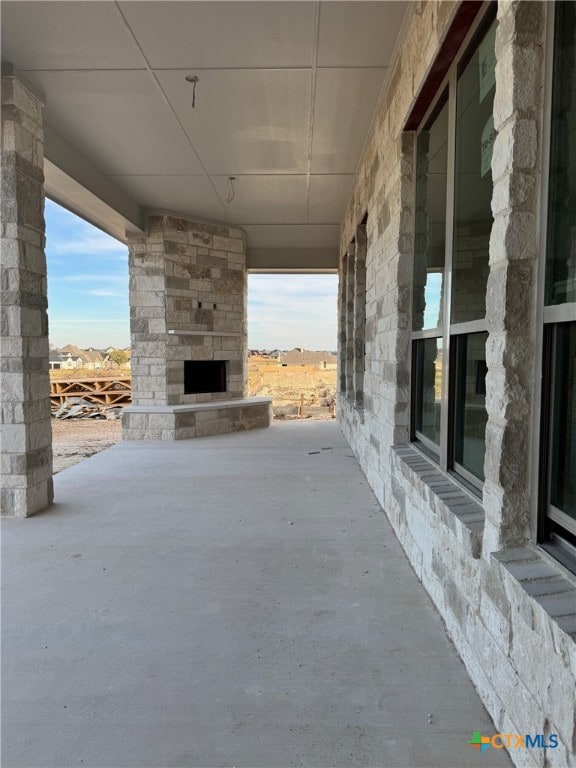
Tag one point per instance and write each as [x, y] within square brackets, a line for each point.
[25, 502]
[181, 422]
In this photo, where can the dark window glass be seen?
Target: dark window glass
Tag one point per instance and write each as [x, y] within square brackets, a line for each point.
[563, 470]
[430, 213]
[473, 182]
[470, 415]
[561, 250]
[428, 388]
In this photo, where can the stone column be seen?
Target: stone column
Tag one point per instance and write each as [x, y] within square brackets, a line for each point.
[394, 285]
[359, 314]
[350, 272]
[26, 432]
[147, 275]
[510, 297]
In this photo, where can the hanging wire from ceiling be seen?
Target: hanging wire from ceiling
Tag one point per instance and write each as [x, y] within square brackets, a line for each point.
[193, 79]
[231, 191]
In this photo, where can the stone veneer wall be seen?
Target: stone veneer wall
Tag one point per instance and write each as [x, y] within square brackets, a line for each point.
[26, 430]
[181, 422]
[187, 302]
[509, 609]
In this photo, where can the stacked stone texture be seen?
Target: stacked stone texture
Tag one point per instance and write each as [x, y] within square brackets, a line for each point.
[188, 302]
[359, 315]
[187, 299]
[349, 356]
[185, 422]
[510, 612]
[514, 250]
[26, 432]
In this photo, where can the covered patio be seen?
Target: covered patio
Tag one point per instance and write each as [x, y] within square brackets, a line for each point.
[240, 599]
[235, 600]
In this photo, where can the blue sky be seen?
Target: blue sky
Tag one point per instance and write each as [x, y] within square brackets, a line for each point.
[286, 311]
[87, 283]
[88, 294]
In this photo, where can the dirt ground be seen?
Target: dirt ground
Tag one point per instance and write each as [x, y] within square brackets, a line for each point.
[76, 439]
[292, 385]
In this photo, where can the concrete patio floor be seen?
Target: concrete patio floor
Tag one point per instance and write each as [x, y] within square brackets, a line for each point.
[238, 600]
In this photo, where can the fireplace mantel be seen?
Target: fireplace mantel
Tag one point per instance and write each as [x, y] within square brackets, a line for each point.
[174, 332]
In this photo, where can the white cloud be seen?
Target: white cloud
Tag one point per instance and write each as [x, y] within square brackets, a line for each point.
[103, 293]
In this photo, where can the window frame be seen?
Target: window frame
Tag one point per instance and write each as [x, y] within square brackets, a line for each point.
[554, 512]
[458, 349]
[431, 448]
[543, 525]
[447, 89]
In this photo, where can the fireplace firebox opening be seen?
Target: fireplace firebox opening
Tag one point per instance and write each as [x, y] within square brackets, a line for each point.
[204, 376]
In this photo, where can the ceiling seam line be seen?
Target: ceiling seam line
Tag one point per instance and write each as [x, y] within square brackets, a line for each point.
[283, 224]
[169, 106]
[199, 69]
[408, 13]
[238, 173]
[303, 68]
[312, 102]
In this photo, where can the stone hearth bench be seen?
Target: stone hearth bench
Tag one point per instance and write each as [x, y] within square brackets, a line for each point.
[181, 422]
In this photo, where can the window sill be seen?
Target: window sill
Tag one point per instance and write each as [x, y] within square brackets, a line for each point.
[457, 509]
[534, 572]
[562, 555]
[548, 585]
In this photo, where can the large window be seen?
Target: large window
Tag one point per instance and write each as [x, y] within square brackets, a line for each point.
[429, 282]
[559, 374]
[453, 220]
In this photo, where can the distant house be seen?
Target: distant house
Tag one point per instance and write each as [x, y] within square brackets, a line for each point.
[265, 353]
[70, 348]
[56, 360]
[94, 359]
[324, 361]
[91, 359]
[65, 361]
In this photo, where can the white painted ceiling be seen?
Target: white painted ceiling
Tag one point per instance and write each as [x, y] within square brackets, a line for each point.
[286, 95]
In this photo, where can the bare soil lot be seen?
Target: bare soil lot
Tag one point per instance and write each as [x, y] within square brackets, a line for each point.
[76, 439]
[292, 386]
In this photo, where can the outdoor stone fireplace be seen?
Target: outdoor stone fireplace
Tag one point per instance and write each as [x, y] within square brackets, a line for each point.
[188, 327]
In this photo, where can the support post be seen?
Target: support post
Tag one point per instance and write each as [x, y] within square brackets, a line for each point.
[25, 429]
